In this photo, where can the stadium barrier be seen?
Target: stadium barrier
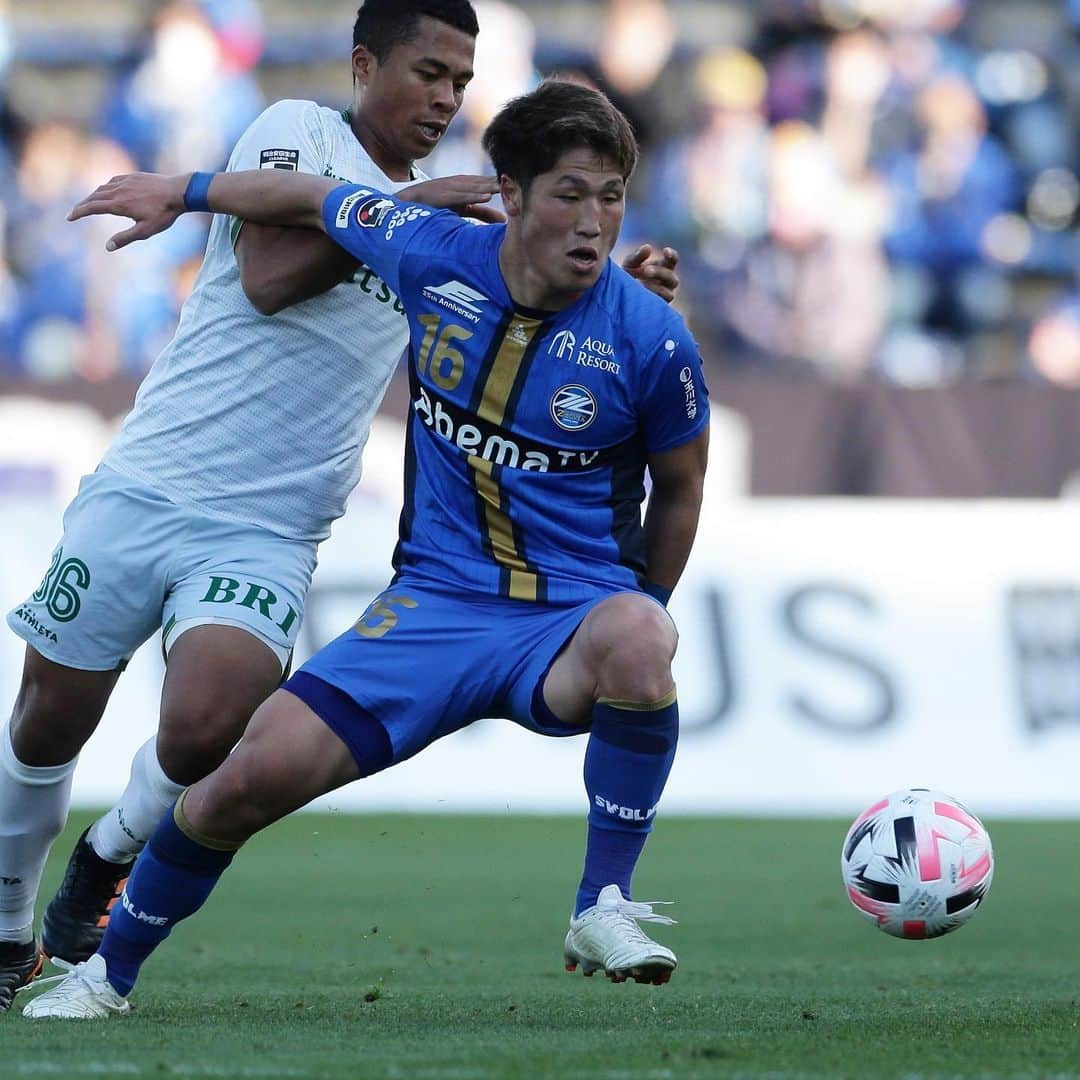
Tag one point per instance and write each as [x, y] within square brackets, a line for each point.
[831, 650]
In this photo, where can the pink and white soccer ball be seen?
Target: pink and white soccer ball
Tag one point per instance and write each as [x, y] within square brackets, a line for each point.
[917, 864]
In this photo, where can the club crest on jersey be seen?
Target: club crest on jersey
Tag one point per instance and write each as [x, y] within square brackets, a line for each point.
[573, 407]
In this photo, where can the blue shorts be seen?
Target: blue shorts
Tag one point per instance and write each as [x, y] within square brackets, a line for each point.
[422, 662]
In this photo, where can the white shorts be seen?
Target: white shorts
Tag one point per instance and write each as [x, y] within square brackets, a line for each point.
[131, 561]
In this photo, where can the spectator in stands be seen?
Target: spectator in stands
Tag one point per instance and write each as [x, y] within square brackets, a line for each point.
[180, 103]
[705, 189]
[47, 255]
[634, 46]
[9, 298]
[707, 186]
[131, 297]
[11, 124]
[504, 68]
[857, 74]
[83, 312]
[814, 291]
[7, 40]
[240, 30]
[1054, 342]
[945, 193]
[9, 307]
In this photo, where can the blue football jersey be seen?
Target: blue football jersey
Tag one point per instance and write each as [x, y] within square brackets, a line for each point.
[530, 430]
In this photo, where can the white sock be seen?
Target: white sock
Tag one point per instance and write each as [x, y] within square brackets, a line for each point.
[33, 808]
[122, 833]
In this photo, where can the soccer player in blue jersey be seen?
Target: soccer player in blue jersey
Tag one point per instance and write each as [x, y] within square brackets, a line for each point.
[544, 385]
[217, 451]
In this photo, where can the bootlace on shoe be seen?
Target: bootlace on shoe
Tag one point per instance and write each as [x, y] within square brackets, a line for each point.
[66, 969]
[83, 992]
[626, 914]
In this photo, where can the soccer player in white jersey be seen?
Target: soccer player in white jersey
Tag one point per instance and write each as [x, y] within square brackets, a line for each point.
[205, 514]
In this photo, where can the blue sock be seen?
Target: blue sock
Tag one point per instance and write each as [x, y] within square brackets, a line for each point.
[627, 763]
[171, 880]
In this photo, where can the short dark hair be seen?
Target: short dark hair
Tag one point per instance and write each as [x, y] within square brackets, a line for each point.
[530, 133]
[382, 24]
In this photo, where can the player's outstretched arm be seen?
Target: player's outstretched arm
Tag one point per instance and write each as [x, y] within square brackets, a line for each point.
[671, 518]
[656, 270]
[465, 195]
[265, 196]
[154, 202]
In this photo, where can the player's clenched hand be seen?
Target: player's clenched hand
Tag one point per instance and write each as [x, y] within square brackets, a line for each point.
[465, 195]
[657, 272]
[152, 201]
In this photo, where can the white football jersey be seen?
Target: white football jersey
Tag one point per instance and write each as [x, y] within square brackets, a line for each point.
[262, 419]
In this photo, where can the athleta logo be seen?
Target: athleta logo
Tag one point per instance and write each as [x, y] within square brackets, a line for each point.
[458, 298]
[591, 353]
[38, 627]
[573, 408]
[135, 913]
[60, 589]
[626, 813]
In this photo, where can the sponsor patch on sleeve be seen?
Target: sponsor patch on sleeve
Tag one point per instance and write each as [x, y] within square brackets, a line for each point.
[370, 213]
[404, 215]
[345, 209]
[280, 159]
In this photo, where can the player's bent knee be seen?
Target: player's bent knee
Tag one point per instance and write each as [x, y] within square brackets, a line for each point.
[632, 612]
[226, 805]
[196, 736]
[633, 641]
[187, 758]
[217, 677]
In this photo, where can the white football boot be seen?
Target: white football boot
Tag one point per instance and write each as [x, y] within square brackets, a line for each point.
[83, 993]
[606, 937]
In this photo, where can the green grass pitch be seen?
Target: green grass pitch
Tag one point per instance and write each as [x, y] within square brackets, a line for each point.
[430, 948]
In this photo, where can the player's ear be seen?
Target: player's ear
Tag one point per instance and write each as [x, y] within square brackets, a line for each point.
[363, 65]
[512, 196]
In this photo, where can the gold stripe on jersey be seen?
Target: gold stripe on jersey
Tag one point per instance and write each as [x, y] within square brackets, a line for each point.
[498, 388]
[500, 531]
[505, 369]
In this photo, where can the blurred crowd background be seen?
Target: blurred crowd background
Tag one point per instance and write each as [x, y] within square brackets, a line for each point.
[877, 191]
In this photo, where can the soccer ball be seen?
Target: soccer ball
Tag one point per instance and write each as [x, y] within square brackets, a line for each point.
[917, 863]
